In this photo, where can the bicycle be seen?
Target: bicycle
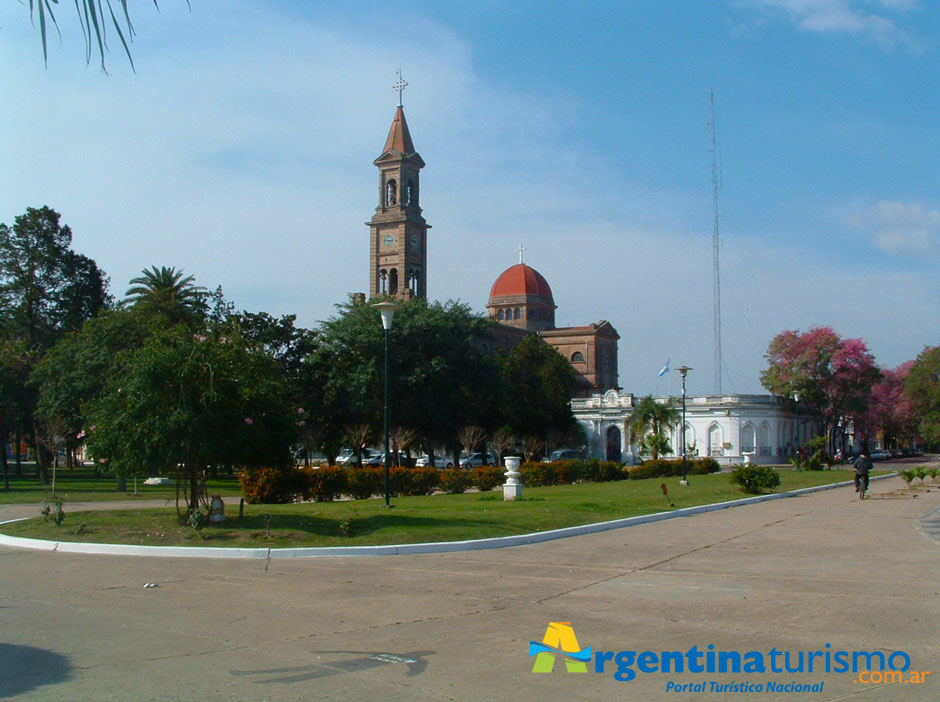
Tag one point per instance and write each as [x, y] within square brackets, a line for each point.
[862, 486]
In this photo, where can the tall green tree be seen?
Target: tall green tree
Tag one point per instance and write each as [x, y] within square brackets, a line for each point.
[46, 290]
[72, 374]
[440, 380]
[537, 384]
[649, 425]
[183, 401]
[922, 386]
[14, 371]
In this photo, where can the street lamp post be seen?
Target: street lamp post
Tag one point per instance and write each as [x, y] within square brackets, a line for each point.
[387, 310]
[799, 460]
[683, 371]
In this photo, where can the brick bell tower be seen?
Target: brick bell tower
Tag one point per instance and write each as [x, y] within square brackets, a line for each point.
[398, 234]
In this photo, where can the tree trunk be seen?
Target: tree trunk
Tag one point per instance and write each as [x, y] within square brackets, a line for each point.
[42, 469]
[193, 490]
[18, 437]
[3, 461]
[122, 484]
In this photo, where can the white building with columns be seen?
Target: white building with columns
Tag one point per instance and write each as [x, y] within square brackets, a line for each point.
[730, 428]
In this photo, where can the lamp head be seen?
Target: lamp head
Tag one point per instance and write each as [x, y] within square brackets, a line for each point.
[683, 370]
[387, 310]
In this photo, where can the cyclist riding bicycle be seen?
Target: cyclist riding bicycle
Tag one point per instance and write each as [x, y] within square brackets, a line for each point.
[862, 469]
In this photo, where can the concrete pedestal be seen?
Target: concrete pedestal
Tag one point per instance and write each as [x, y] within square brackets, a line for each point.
[512, 488]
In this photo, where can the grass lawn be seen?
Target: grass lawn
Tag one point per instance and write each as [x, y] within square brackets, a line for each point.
[411, 520]
[81, 485]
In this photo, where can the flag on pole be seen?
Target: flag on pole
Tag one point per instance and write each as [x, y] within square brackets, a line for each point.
[664, 370]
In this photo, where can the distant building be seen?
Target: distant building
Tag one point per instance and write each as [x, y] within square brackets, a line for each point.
[521, 301]
[729, 428]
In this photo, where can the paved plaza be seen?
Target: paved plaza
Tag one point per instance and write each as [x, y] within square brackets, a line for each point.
[792, 574]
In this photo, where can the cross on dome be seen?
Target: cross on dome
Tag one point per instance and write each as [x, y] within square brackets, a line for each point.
[400, 85]
[521, 251]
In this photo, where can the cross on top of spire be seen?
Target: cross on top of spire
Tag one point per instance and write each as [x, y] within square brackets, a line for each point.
[521, 251]
[400, 85]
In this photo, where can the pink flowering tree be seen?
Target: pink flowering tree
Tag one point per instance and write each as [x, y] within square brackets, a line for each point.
[833, 376]
[891, 411]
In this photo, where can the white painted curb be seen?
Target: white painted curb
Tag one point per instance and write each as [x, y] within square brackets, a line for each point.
[400, 549]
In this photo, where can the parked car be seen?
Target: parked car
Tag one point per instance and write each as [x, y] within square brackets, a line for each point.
[476, 459]
[349, 459]
[563, 455]
[346, 457]
[440, 461]
[374, 458]
[880, 456]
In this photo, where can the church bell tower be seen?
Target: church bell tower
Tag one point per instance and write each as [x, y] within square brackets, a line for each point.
[398, 233]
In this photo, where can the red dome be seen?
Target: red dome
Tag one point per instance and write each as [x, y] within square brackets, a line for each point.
[521, 280]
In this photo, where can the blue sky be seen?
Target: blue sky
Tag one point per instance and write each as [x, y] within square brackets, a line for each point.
[241, 151]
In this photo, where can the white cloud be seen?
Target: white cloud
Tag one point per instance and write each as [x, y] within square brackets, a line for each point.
[901, 228]
[844, 17]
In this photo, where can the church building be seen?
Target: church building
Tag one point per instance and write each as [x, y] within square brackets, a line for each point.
[521, 300]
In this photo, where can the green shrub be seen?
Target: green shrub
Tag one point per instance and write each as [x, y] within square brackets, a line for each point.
[671, 467]
[51, 510]
[486, 478]
[658, 468]
[324, 484]
[569, 471]
[534, 474]
[755, 479]
[272, 485]
[704, 466]
[611, 470]
[921, 472]
[908, 476]
[411, 481]
[454, 480]
[933, 473]
[363, 483]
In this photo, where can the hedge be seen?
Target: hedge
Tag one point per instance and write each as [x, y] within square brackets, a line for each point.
[326, 483]
[667, 468]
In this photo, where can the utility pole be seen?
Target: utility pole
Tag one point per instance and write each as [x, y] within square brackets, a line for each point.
[716, 278]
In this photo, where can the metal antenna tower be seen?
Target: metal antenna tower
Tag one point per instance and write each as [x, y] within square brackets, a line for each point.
[716, 282]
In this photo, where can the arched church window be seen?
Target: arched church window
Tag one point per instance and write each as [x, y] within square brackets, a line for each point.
[413, 282]
[577, 357]
[383, 282]
[393, 282]
[501, 315]
[391, 193]
[517, 313]
[411, 194]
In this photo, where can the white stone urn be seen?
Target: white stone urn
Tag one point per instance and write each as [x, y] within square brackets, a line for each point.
[513, 488]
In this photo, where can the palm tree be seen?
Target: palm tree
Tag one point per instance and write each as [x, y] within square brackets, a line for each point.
[165, 285]
[655, 418]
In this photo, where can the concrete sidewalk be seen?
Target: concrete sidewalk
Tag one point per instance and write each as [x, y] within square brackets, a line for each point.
[794, 574]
